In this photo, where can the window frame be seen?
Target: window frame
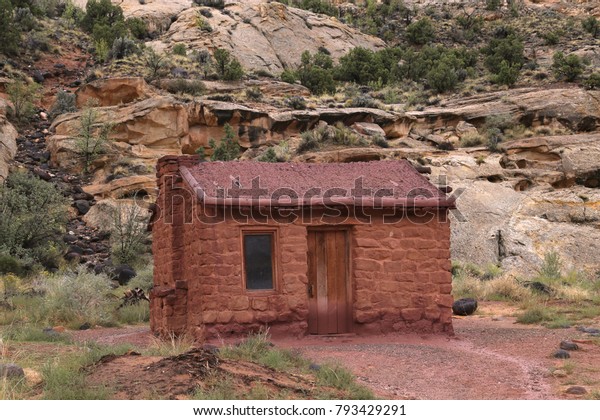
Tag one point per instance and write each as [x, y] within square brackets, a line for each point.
[274, 232]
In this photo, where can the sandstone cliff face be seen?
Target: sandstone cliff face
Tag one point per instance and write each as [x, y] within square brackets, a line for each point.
[265, 36]
[8, 141]
[538, 194]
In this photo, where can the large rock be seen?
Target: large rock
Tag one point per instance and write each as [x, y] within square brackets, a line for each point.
[574, 108]
[113, 91]
[8, 145]
[513, 217]
[265, 35]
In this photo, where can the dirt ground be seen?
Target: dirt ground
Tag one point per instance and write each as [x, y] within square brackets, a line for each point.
[490, 357]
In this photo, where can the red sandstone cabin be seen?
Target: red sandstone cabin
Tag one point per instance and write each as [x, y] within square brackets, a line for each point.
[301, 248]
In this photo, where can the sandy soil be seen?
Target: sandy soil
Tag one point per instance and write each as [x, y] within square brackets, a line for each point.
[490, 357]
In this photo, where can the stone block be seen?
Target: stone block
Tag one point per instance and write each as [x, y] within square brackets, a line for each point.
[224, 317]
[243, 317]
[259, 304]
[367, 265]
[411, 314]
[238, 303]
[369, 238]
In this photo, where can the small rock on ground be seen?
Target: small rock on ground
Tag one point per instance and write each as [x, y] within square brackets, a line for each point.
[576, 390]
[568, 345]
[562, 354]
[559, 373]
[10, 370]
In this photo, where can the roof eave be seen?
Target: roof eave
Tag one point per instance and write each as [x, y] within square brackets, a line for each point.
[371, 202]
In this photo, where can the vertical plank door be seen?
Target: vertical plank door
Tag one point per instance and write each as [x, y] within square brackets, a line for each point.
[328, 289]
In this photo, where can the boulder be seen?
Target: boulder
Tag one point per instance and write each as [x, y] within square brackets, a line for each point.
[123, 273]
[8, 142]
[368, 129]
[574, 108]
[265, 35]
[113, 91]
[465, 306]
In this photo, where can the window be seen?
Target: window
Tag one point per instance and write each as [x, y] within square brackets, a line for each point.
[258, 260]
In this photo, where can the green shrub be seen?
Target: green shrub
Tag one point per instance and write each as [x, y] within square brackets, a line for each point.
[129, 234]
[228, 67]
[217, 4]
[179, 49]
[493, 4]
[471, 139]
[155, 63]
[63, 104]
[288, 76]
[591, 25]
[101, 50]
[535, 315]
[77, 297]
[92, 137]
[203, 24]
[567, 68]
[268, 156]
[22, 96]
[345, 136]
[33, 215]
[313, 139]
[316, 73]
[442, 77]
[123, 47]
[254, 94]
[506, 47]
[228, 148]
[316, 6]
[295, 102]
[380, 141]
[593, 82]
[184, 86]
[507, 74]
[420, 32]
[551, 267]
[10, 36]
[24, 19]
[551, 38]
[363, 101]
[363, 66]
[104, 21]
[137, 28]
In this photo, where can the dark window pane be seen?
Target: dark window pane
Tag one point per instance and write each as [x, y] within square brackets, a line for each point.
[258, 260]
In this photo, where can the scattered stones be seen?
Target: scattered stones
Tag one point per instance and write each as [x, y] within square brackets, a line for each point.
[568, 345]
[559, 373]
[10, 370]
[576, 390]
[562, 354]
[464, 306]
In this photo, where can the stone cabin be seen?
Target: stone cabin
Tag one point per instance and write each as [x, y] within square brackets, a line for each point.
[302, 248]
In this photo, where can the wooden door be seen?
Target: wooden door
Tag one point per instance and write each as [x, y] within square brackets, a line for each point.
[330, 311]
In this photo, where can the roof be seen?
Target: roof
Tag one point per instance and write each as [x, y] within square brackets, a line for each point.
[291, 184]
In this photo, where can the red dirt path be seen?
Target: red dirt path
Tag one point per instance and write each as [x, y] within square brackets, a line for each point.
[488, 358]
